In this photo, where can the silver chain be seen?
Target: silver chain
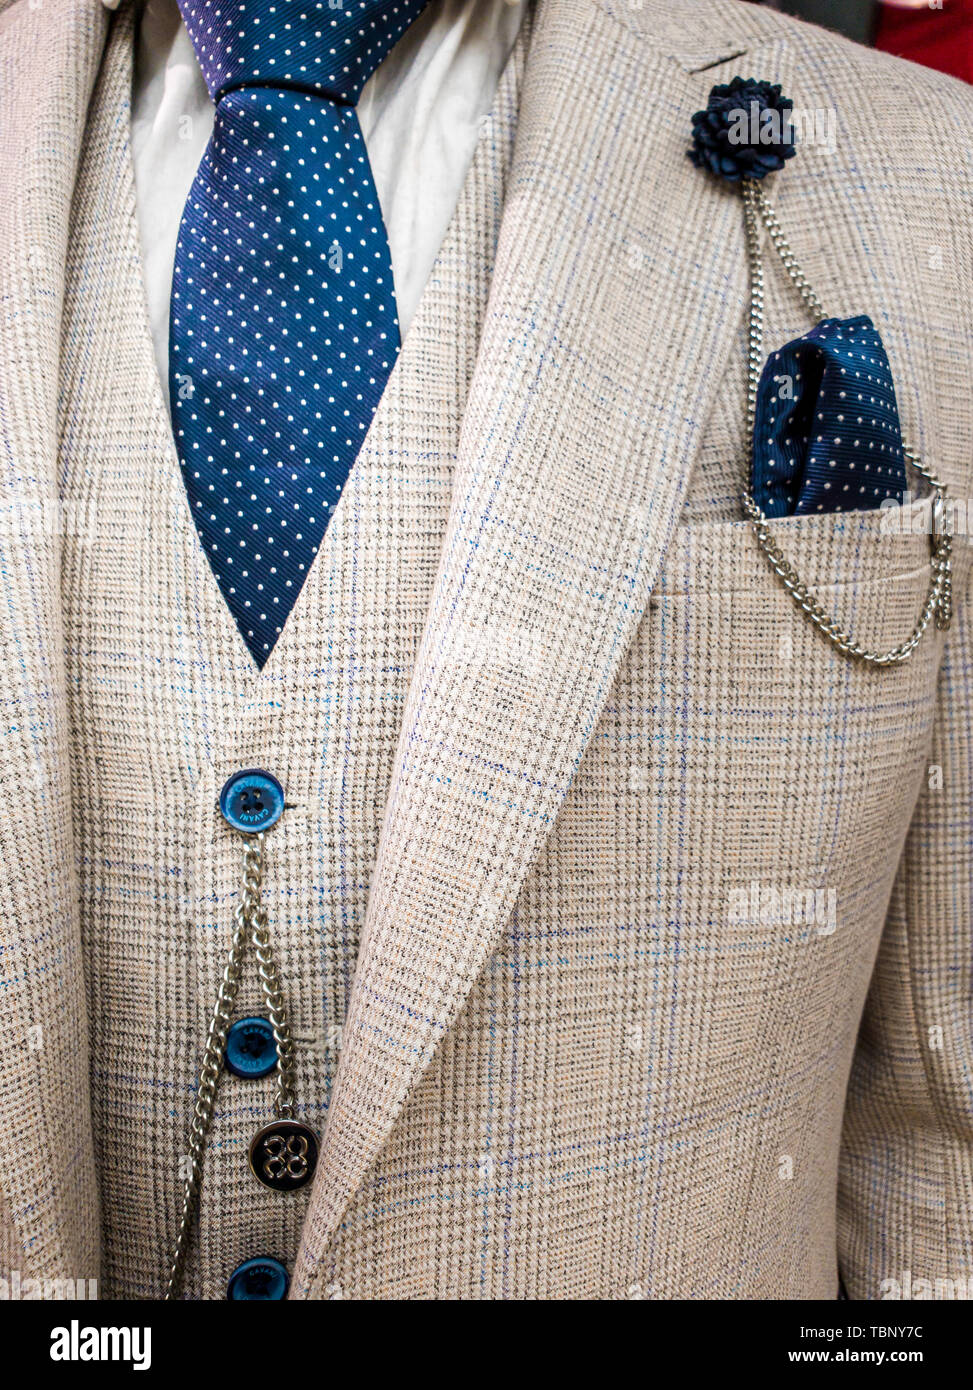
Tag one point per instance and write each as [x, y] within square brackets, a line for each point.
[250, 924]
[938, 602]
[274, 997]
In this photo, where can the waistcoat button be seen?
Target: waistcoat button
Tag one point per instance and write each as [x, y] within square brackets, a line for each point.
[283, 1155]
[251, 800]
[260, 1278]
[251, 1050]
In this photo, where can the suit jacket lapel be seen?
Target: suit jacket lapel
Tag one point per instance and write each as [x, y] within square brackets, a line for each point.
[618, 291]
[49, 59]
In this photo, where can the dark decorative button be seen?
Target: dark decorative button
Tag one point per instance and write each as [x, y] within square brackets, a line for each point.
[283, 1155]
[251, 1050]
[260, 1278]
[251, 800]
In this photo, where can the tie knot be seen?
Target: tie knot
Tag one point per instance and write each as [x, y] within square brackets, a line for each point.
[330, 47]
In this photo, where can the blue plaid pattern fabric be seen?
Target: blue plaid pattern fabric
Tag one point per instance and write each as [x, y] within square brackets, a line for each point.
[283, 327]
[826, 428]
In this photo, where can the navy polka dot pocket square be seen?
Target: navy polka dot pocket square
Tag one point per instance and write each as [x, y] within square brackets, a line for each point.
[826, 427]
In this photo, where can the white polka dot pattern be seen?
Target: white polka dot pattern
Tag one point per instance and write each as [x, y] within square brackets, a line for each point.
[313, 45]
[826, 433]
[283, 329]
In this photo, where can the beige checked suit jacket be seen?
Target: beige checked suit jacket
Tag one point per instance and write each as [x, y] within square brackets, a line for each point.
[577, 1057]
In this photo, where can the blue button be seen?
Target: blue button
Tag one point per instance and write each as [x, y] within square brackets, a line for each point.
[261, 1278]
[251, 800]
[251, 1050]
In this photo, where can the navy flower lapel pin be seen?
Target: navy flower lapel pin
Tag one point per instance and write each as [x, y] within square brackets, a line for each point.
[745, 132]
[822, 421]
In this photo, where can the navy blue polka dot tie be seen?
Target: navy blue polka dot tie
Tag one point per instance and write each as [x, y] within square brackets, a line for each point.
[283, 328]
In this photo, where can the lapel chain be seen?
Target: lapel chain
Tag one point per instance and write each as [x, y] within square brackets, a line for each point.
[938, 602]
[283, 1153]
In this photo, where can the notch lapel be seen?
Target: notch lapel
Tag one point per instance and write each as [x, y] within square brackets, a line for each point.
[49, 57]
[618, 292]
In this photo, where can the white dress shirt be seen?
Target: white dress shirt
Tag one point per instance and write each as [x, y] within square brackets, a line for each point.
[420, 114]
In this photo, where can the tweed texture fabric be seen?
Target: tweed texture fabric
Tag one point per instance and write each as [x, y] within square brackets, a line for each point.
[637, 907]
[347, 672]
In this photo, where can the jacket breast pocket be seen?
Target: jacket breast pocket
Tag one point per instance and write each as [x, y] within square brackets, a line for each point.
[777, 759]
